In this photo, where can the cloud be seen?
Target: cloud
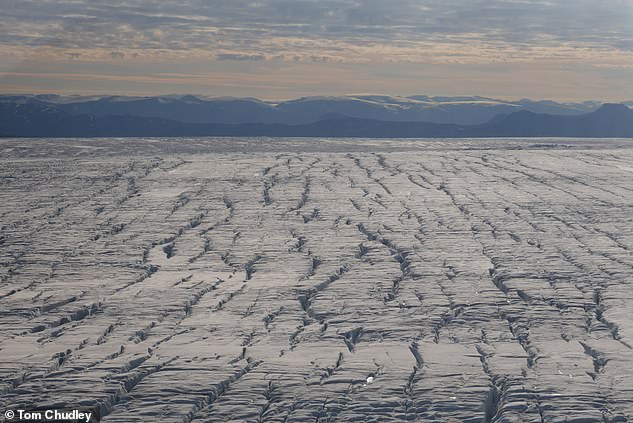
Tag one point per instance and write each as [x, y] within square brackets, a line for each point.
[333, 29]
[242, 39]
[239, 56]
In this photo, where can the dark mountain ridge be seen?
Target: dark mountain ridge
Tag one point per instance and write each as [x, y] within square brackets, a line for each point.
[231, 110]
[35, 119]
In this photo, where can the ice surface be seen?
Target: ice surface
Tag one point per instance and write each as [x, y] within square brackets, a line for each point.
[208, 280]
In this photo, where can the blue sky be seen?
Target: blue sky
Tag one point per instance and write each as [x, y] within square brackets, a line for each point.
[278, 49]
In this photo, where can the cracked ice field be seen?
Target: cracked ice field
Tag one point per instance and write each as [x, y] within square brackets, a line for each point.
[208, 280]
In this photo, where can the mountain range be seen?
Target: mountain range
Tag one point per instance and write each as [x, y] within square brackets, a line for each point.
[348, 116]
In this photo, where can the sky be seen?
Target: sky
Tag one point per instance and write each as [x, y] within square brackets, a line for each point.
[566, 50]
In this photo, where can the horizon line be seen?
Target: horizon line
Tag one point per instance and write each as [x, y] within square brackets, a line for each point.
[279, 100]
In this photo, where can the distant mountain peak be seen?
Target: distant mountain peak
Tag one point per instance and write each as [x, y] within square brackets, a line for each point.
[202, 110]
[614, 108]
[42, 119]
[189, 97]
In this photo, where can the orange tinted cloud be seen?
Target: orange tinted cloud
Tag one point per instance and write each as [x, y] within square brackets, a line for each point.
[246, 44]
